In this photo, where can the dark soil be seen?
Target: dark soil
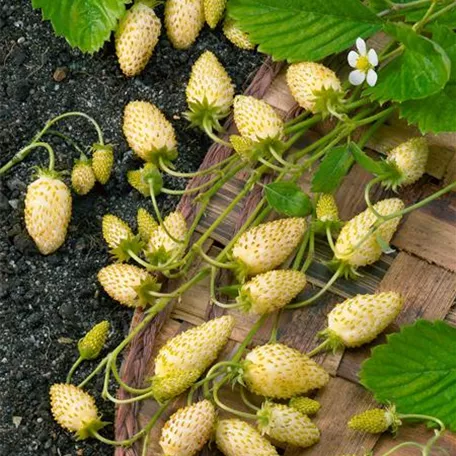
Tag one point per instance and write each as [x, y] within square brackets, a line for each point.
[48, 303]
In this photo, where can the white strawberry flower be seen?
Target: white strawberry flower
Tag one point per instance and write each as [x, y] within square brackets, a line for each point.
[364, 61]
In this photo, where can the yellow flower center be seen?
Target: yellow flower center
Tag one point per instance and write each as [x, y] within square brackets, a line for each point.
[363, 64]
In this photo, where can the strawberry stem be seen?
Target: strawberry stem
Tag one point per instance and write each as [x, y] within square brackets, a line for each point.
[246, 400]
[144, 431]
[212, 261]
[330, 238]
[302, 248]
[310, 253]
[202, 172]
[220, 404]
[73, 369]
[328, 285]
[66, 138]
[23, 153]
[322, 347]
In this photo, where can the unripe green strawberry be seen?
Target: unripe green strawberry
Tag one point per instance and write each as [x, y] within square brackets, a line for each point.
[196, 348]
[238, 438]
[271, 291]
[287, 425]
[148, 132]
[244, 147]
[139, 179]
[92, 343]
[102, 162]
[315, 87]
[409, 158]
[82, 177]
[213, 11]
[146, 224]
[115, 230]
[184, 19]
[278, 371]
[358, 227]
[236, 35]
[187, 430]
[375, 421]
[122, 283]
[209, 92]
[361, 319]
[170, 385]
[305, 405]
[268, 245]
[47, 213]
[326, 209]
[257, 120]
[136, 38]
[75, 410]
[161, 247]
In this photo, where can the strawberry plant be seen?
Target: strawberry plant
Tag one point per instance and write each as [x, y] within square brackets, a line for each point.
[267, 260]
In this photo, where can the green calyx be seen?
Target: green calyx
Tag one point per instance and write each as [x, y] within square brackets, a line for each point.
[126, 247]
[393, 176]
[83, 160]
[244, 300]
[329, 101]
[345, 269]
[98, 146]
[160, 256]
[205, 116]
[167, 154]
[264, 417]
[333, 341]
[45, 172]
[144, 289]
[320, 227]
[90, 428]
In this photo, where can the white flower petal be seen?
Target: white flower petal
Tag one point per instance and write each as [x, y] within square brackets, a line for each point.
[357, 77]
[372, 57]
[361, 46]
[371, 77]
[353, 57]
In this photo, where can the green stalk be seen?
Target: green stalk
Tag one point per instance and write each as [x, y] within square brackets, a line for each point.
[73, 369]
[23, 153]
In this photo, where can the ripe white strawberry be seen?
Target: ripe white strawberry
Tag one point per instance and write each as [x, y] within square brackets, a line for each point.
[102, 162]
[285, 424]
[236, 35]
[136, 38]
[184, 19]
[175, 382]
[315, 87]
[75, 410]
[148, 132]
[278, 371]
[115, 230]
[238, 438]
[361, 319]
[209, 92]
[92, 343]
[82, 176]
[358, 227]
[375, 421]
[47, 213]
[409, 158]
[213, 11]
[123, 282]
[196, 348]
[305, 405]
[326, 209]
[161, 247]
[271, 291]
[146, 224]
[257, 120]
[187, 430]
[268, 245]
[139, 179]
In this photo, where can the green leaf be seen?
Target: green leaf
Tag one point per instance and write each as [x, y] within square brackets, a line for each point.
[297, 30]
[437, 113]
[369, 164]
[287, 198]
[332, 170]
[416, 371]
[421, 70]
[85, 24]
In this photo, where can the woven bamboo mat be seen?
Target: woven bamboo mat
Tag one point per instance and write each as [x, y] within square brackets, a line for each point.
[423, 269]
